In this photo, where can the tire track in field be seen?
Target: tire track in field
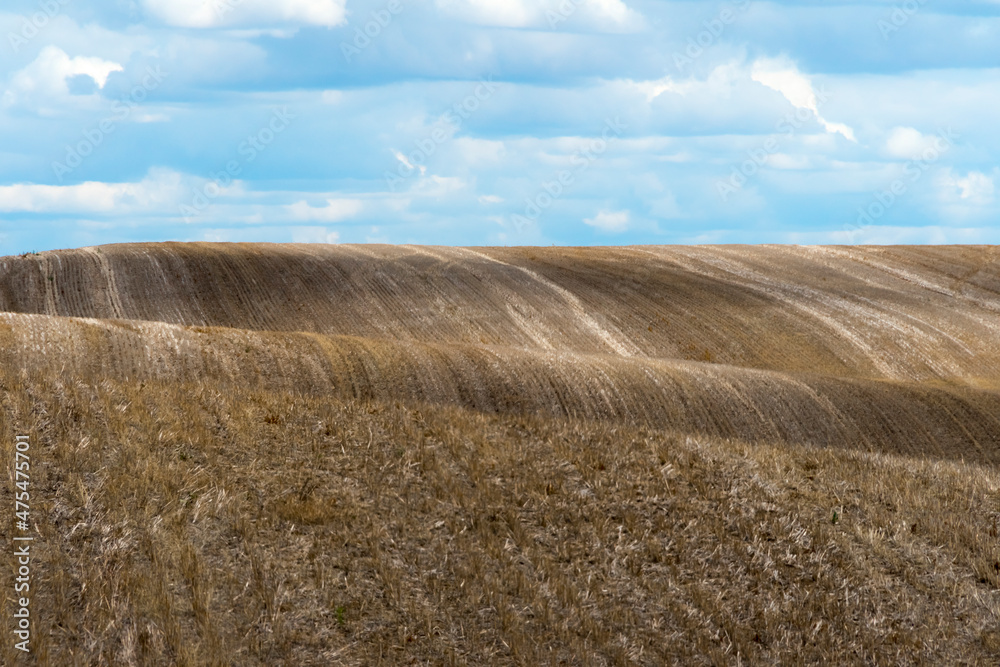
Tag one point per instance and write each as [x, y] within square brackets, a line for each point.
[840, 316]
[614, 340]
[111, 286]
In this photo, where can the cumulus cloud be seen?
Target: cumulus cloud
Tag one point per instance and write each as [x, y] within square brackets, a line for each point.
[655, 88]
[44, 83]
[975, 188]
[720, 83]
[609, 221]
[334, 211]
[782, 75]
[908, 143]
[219, 13]
[159, 190]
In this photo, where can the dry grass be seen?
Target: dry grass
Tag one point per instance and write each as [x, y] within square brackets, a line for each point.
[914, 418]
[298, 455]
[183, 525]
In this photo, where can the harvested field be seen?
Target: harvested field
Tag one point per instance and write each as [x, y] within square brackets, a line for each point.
[303, 454]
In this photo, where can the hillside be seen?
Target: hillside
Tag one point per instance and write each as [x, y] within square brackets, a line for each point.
[889, 313]
[308, 454]
[890, 349]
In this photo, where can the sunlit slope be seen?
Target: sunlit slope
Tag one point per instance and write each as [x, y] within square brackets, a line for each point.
[925, 314]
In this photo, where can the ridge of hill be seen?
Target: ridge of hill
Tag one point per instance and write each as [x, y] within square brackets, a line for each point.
[896, 313]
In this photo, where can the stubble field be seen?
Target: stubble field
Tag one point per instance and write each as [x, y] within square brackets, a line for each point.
[257, 454]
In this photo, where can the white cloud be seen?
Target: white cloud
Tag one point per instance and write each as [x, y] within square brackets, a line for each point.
[42, 83]
[974, 188]
[908, 143]
[615, 10]
[216, 13]
[605, 15]
[334, 211]
[406, 163]
[490, 199]
[160, 190]
[609, 221]
[653, 89]
[782, 75]
[719, 83]
[508, 13]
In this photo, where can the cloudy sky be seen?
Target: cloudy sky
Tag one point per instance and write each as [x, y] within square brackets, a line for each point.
[498, 121]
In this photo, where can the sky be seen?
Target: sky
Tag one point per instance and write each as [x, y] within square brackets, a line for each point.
[498, 122]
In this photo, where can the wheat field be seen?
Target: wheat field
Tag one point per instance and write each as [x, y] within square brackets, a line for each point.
[264, 454]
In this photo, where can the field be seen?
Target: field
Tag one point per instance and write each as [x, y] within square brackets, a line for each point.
[308, 455]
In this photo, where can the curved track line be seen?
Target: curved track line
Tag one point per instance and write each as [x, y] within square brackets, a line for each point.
[623, 347]
[114, 299]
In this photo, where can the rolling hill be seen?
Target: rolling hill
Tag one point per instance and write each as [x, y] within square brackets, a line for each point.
[428, 454]
[893, 349]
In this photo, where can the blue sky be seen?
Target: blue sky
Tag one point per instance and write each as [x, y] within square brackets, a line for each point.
[498, 122]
